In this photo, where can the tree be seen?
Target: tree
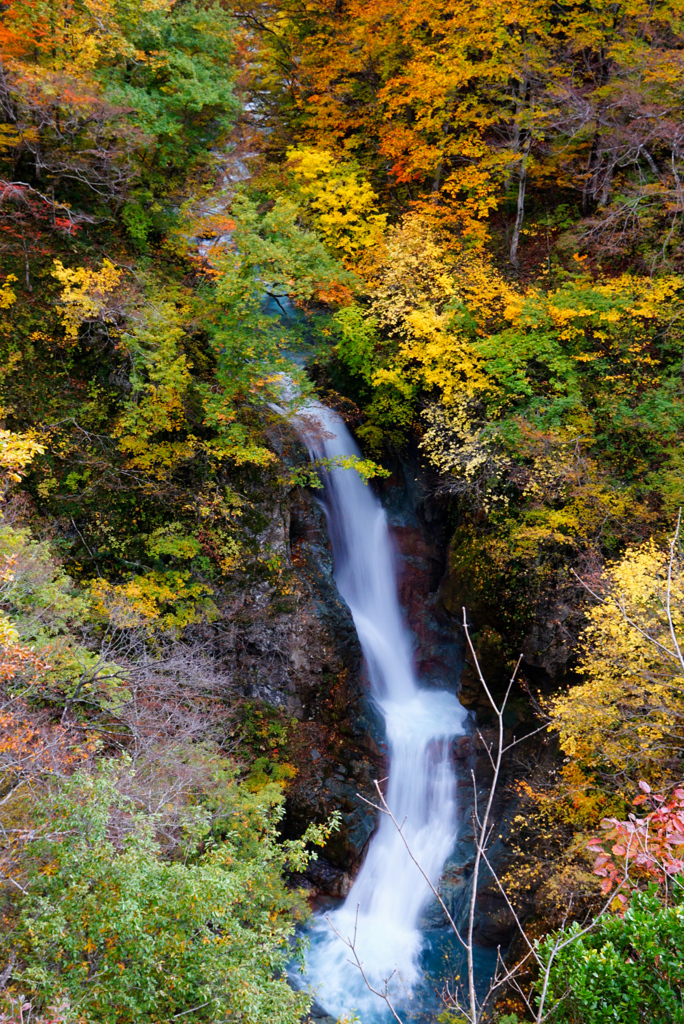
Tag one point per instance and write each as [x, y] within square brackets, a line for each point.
[627, 717]
[342, 207]
[643, 850]
[118, 934]
[492, 112]
[102, 100]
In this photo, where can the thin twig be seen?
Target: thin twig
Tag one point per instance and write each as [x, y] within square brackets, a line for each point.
[351, 944]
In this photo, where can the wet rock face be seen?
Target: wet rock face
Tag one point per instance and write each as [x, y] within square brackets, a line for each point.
[298, 652]
[333, 775]
[341, 741]
[420, 544]
[552, 637]
[323, 879]
[293, 649]
[542, 616]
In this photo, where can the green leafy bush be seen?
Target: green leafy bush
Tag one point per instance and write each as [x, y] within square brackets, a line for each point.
[119, 935]
[627, 970]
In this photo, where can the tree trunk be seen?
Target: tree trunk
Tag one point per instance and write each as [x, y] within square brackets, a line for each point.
[522, 185]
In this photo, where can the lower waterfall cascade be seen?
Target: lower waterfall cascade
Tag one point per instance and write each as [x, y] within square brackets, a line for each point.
[384, 905]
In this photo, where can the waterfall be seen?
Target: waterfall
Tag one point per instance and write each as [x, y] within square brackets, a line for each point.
[386, 900]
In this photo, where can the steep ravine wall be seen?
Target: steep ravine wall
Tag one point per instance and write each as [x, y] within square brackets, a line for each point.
[302, 655]
[298, 652]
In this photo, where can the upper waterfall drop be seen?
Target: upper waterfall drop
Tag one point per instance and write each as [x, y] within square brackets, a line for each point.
[384, 905]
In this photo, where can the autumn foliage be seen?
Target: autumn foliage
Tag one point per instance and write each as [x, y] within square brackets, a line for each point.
[638, 850]
[465, 219]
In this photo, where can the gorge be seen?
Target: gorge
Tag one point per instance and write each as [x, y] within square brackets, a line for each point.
[457, 230]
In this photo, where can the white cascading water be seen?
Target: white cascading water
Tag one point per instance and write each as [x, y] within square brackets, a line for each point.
[386, 900]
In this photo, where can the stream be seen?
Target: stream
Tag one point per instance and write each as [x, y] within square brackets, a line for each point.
[384, 906]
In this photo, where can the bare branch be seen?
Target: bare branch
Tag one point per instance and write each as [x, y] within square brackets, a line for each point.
[356, 962]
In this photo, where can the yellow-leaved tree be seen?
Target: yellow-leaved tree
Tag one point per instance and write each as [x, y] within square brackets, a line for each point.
[627, 716]
[424, 311]
[87, 295]
[343, 206]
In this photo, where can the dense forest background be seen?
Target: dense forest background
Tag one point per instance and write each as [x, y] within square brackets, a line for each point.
[476, 213]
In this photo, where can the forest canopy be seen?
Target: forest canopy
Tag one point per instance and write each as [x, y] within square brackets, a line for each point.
[465, 221]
